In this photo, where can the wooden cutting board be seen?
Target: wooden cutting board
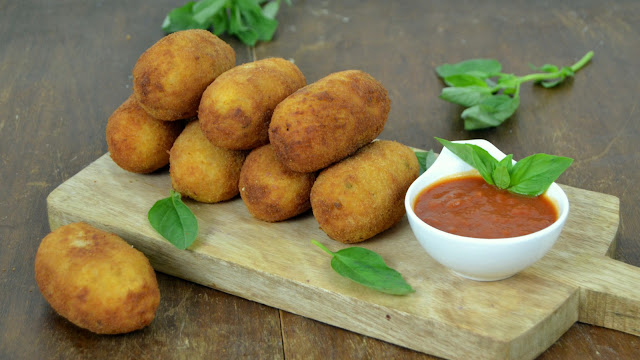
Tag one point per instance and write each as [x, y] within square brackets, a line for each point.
[448, 316]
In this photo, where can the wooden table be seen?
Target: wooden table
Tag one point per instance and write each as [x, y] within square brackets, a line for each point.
[65, 66]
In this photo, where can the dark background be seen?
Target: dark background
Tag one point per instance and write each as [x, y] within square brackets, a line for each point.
[66, 65]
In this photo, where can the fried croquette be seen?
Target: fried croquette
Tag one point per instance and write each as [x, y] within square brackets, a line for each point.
[96, 280]
[270, 190]
[170, 77]
[201, 170]
[363, 194]
[137, 142]
[235, 110]
[328, 120]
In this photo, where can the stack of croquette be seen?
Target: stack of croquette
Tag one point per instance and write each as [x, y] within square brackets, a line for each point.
[259, 130]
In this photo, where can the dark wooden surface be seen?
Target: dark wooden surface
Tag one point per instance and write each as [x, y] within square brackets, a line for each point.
[66, 65]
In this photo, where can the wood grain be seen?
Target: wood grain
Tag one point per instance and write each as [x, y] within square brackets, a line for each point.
[275, 264]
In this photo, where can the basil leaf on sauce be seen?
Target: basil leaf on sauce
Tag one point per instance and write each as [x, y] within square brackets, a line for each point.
[367, 268]
[530, 176]
[534, 174]
[484, 163]
[174, 221]
[501, 176]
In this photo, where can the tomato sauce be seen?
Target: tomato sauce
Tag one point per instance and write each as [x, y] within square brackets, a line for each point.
[468, 206]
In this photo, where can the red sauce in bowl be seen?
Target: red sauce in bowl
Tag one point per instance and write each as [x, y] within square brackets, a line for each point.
[468, 206]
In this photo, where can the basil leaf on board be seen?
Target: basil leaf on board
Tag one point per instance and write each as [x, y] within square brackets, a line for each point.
[466, 96]
[483, 68]
[174, 221]
[367, 268]
[425, 159]
[491, 112]
[534, 174]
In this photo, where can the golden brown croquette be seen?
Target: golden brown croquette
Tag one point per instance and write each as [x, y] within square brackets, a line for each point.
[170, 77]
[235, 110]
[363, 194]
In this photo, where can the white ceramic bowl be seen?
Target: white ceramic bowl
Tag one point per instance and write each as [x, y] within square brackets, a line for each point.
[475, 258]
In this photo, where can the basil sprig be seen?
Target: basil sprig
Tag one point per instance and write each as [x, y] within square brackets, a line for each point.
[174, 221]
[367, 268]
[530, 176]
[249, 20]
[491, 96]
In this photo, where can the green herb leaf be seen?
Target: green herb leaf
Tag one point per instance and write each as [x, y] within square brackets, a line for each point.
[534, 174]
[463, 80]
[482, 68]
[501, 176]
[204, 10]
[425, 159]
[485, 164]
[463, 151]
[491, 96]
[367, 268]
[182, 19]
[475, 156]
[245, 19]
[466, 96]
[530, 176]
[174, 221]
[507, 161]
[491, 112]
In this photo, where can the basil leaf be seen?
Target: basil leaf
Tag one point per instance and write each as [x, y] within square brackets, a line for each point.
[484, 163]
[501, 176]
[270, 10]
[463, 80]
[245, 19]
[425, 159]
[182, 19]
[507, 161]
[206, 9]
[509, 84]
[220, 23]
[367, 268]
[466, 96]
[482, 68]
[463, 151]
[174, 221]
[491, 112]
[534, 174]
[530, 176]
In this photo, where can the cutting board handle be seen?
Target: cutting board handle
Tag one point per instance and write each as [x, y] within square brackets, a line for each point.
[609, 293]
